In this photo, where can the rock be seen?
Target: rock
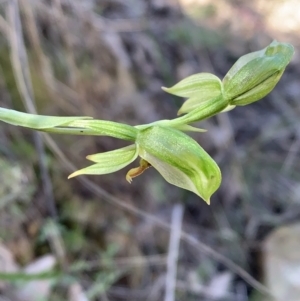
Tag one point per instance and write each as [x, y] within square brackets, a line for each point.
[76, 293]
[7, 264]
[38, 289]
[282, 263]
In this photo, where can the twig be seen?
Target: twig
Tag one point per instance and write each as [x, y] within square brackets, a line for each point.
[176, 224]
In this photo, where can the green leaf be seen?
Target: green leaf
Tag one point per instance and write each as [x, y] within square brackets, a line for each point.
[108, 162]
[254, 75]
[180, 160]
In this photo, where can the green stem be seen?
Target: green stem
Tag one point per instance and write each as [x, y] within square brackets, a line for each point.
[69, 125]
[203, 111]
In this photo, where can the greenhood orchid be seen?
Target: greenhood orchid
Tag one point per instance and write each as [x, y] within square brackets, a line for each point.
[176, 156]
[163, 144]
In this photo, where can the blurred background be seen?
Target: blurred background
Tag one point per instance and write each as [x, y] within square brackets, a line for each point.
[99, 238]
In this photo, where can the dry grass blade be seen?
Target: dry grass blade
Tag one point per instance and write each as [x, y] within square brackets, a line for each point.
[176, 225]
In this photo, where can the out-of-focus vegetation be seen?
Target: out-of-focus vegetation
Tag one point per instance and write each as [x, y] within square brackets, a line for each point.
[106, 239]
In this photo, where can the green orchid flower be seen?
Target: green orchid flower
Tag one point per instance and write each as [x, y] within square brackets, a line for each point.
[177, 157]
[180, 160]
[251, 78]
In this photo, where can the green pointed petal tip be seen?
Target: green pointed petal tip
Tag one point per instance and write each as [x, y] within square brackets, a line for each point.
[180, 160]
[165, 89]
[108, 162]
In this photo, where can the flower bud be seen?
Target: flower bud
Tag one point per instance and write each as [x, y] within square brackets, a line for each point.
[254, 75]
